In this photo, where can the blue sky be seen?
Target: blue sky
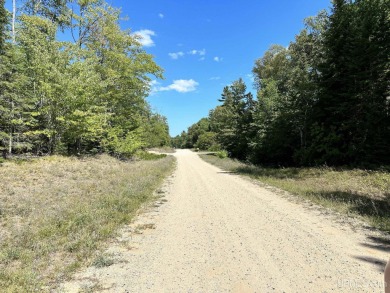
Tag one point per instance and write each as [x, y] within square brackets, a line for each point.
[205, 45]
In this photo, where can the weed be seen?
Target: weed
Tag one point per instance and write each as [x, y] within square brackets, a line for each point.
[222, 154]
[103, 260]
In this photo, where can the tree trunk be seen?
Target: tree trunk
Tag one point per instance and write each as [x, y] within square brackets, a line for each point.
[10, 143]
[11, 130]
[13, 21]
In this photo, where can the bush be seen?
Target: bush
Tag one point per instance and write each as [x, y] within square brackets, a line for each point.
[206, 140]
[214, 148]
[222, 154]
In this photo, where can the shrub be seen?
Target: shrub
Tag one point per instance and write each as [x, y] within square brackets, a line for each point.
[222, 154]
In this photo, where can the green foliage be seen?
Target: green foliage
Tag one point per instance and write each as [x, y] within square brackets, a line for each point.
[195, 131]
[353, 107]
[3, 23]
[55, 10]
[88, 96]
[156, 131]
[122, 144]
[232, 122]
[222, 154]
[190, 138]
[179, 141]
[207, 141]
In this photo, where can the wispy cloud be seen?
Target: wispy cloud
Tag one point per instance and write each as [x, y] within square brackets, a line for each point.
[198, 52]
[161, 15]
[145, 37]
[217, 59]
[176, 55]
[215, 78]
[180, 85]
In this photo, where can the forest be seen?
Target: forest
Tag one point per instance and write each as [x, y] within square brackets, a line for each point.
[323, 100]
[73, 82]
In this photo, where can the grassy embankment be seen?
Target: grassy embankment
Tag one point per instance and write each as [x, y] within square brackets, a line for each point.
[56, 213]
[354, 192]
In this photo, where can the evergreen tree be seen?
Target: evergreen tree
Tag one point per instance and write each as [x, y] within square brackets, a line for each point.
[352, 111]
[3, 24]
[233, 120]
[15, 107]
[56, 11]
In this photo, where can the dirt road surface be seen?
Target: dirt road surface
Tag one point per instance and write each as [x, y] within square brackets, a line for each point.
[217, 232]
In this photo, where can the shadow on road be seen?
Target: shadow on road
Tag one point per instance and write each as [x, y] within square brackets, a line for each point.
[378, 263]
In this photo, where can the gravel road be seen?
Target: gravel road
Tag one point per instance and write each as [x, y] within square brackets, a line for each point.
[217, 232]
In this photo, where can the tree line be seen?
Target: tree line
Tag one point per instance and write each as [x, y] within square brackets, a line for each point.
[73, 82]
[323, 100]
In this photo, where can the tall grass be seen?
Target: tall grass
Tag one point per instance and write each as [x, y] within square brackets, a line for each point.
[354, 192]
[55, 213]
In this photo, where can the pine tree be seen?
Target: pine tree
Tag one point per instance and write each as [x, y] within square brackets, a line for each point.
[352, 111]
[233, 120]
[3, 24]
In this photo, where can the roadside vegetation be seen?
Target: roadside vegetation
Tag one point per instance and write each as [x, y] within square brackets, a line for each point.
[163, 149]
[354, 192]
[81, 96]
[56, 213]
[85, 96]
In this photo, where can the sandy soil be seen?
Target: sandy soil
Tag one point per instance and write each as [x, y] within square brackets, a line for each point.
[216, 232]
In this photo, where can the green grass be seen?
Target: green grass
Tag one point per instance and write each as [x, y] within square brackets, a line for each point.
[142, 155]
[354, 192]
[57, 213]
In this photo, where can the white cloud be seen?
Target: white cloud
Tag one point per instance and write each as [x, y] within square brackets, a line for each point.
[153, 86]
[176, 55]
[198, 52]
[215, 78]
[145, 37]
[181, 86]
[161, 15]
[217, 59]
[250, 77]
[153, 82]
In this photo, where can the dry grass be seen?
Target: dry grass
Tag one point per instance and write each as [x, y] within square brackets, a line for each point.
[354, 192]
[56, 212]
[164, 149]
